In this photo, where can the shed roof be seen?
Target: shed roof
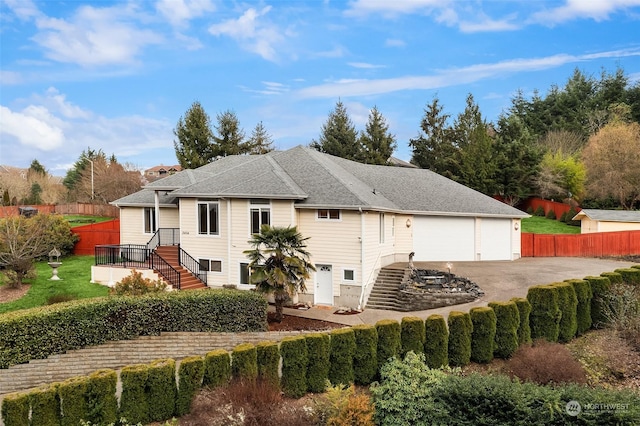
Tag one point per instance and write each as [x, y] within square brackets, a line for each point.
[609, 215]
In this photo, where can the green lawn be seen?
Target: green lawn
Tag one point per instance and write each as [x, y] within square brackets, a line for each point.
[542, 225]
[76, 276]
[77, 219]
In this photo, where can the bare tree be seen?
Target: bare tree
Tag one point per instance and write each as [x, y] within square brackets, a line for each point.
[21, 241]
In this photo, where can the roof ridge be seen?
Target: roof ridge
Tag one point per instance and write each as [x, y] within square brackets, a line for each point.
[287, 179]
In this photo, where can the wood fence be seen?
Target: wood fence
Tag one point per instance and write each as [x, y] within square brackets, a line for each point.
[581, 245]
[558, 208]
[73, 208]
[96, 234]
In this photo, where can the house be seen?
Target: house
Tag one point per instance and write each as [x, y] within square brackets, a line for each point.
[359, 218]
[161, 171]
[593, 220]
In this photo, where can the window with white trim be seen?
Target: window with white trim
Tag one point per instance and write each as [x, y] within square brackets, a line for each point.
[208, 218]
[348, 275]
[210, 265]
[150, 220]
[329, 214]
[393, 226]
[260, 211]
[381, 228]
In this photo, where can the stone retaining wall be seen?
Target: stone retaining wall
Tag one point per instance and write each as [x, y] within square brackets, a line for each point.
[416, 301]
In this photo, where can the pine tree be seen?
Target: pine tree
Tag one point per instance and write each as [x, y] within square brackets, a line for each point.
[339, 136]
[260, 141]
[193, 147]
[432, 148]
[376, 141]
[229, 136]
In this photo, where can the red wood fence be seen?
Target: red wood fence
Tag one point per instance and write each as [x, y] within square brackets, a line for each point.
[547, 205]
[581, 245]
[96, 234]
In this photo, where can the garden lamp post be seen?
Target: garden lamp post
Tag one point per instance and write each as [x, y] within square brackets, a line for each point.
[54, 262]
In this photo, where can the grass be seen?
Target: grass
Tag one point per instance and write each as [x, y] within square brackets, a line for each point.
[78, 219]
[542, 225]
[75, 283]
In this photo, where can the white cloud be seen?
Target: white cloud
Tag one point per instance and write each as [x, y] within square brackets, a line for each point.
[33, 127]
[394, 42]
[361, 8]
[450, 77]
[252, 32]
[487, 24]
[598, 10]
[180, 12]
[9, 78]
[23, 9]
[364, 65]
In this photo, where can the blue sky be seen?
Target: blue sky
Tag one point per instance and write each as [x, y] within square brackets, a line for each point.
[117, 75]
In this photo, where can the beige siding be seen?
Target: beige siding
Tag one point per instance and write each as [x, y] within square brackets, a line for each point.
[588, 226]
[516, 239]
[132, 223]
[618, 226]
[169, 218]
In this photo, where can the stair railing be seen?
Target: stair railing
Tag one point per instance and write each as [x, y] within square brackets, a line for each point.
[164, 237]
[167, 271]
[192, 265]
[365, 285]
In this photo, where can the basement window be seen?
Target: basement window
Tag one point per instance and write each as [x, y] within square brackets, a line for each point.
[329, 214]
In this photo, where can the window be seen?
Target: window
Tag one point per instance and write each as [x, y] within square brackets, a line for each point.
[245, 273]
[393, 226]
[210, 265]
[329, 214]
[381, 228]
[348, 275]
[208, 218]
[149, 220]
[260, 214]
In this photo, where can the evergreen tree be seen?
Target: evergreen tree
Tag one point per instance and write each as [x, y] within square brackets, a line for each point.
[194, 136]
[229, 137]
[37, 168]
[74, 174]
[339, 136]
[260, 141]
[432, 148]
[376, 141]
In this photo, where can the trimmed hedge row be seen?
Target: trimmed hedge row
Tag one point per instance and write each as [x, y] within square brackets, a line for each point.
[40, 332]
[483, 334]
[460, 331]
[436, 344]
[524, 310]
[599, 287]
[584, 295]
[318, 348]
[568, 304]
[629, 276]
[507, 324]
[544, 319]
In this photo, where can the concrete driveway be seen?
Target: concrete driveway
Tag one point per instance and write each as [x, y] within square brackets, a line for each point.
[500, 281]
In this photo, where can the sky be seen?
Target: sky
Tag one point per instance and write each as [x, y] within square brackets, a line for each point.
[118, 75]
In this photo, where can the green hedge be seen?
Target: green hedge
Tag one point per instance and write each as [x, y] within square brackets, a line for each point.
[600, 286]
[389, 341]
[190, 377]
[40, 332]
[436, 343]
[73, 400]
[365, 358]
[162, 389]
[630, 276]
[244, 362]
[584, 295]
[45, 406]
[134, 405]
[524, 328]
[483, 335]
[268, 355]
[460, 330]
[15, 409]
[318, 348]
[614, 277]
[343, 348]
[412, 335]
[545, 312]
[217, 368]
[293, 351]
[568, 304]
[507, 324]
[101, 397]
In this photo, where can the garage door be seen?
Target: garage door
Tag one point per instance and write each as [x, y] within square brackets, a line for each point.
[438, 238]
[495, 239]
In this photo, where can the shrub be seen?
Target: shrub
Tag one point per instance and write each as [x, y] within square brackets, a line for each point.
[217, 368]
[343, 347]
[507, 324]
[622, 312]
[530, 210]
[244, 362]
[551, 214]
[582, 289]
[545, 363]
[570, 215]
[539, 211]
[343, 406]
[436, 344]
[629, 275]
[134, 405]
[60, 298]
[568, 304]
[45, 406]
[614, 277]
[318, 348]
[563, 217]
[268, 356]
[73, 401]
[15, 409]
[389, 341]
[135, 285]
[460, 329]
[545, 312]
[483, 334]
[365, 359]
[101, 397]
[524, 311]
[161, 389]
[294, 366]
[599, 287]
[412, 335]
[190, 375]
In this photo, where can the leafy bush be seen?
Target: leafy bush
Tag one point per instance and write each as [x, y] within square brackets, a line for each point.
[217, 368]
[343, 348]
[545, 312]
[244, 362]
[294, 366]
[599, 287]
[584, 295]
[344, 406]
[545, 363]
[365, 359]
[483, 334]
[190, 375]
[135, 285]
[134, 405]
[621, 310]
[524, 311]
[551, 214]
[568, 304]
[460, 329]
[389, 341]
[268, 356]
[507, 323]
[412, 334]
[318, 348]
[436, 344]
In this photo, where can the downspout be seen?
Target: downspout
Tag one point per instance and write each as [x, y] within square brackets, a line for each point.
[362, 274]
[157, 209]
[229, 241]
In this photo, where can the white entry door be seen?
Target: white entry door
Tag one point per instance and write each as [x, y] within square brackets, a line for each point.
[324, 285]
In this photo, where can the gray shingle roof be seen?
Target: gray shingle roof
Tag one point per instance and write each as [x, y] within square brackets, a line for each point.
[611, 215]
[317, 180]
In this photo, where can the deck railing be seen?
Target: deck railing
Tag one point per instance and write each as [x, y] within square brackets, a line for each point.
[192, 265]
[164, 237]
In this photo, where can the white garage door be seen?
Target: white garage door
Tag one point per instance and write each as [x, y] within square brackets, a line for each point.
[495, 239]
[437, 238]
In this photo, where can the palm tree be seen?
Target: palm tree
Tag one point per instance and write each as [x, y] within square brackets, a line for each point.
[279, 263]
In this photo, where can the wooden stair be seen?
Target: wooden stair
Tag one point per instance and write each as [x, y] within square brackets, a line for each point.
[171, 255]
[384, 294]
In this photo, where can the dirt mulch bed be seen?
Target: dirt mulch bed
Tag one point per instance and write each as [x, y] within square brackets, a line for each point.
[295, 323]
[9, 294]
